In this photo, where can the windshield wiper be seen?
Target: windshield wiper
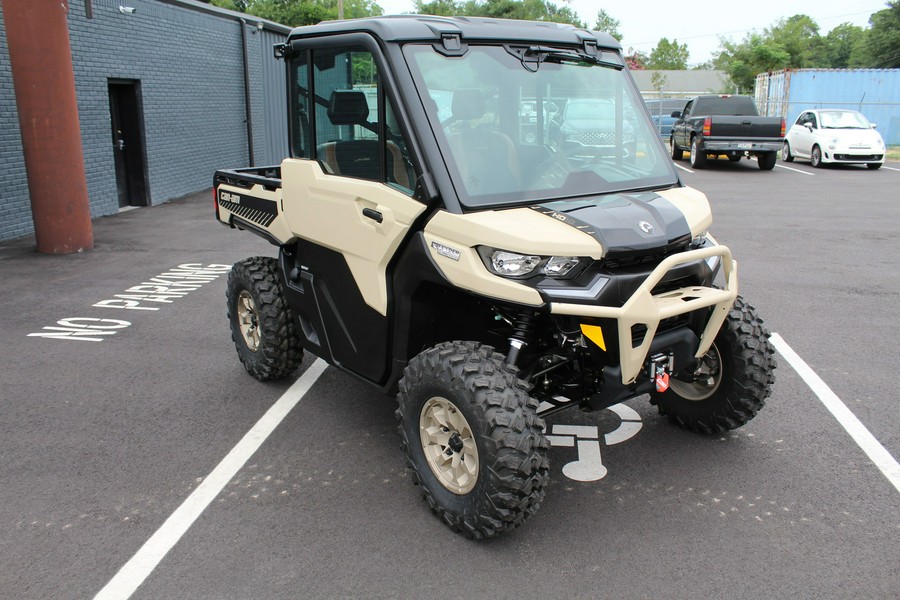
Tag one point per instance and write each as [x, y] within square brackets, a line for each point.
[532, 57]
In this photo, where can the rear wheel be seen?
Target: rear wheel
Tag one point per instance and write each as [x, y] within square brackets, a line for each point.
[262, 326]
[473, 440]
[786, 155]
[730, 383]
[767, 160]
[698, 156]
[815, 157]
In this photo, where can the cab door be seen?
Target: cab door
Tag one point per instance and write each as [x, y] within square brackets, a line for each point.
[349, 196]
[681, 128]
[801, 136]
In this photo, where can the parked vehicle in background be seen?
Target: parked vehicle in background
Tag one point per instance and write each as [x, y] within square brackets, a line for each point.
[834, 136]
[593, 122]
[726, 125]
[661, 113]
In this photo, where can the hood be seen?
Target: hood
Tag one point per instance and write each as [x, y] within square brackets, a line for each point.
[623, 223]
[853, 137]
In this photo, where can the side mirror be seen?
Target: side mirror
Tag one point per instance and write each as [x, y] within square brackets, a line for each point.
[808, 126]
[676, 114]
[874, 126]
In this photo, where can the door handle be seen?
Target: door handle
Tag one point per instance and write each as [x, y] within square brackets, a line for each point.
[373, 214]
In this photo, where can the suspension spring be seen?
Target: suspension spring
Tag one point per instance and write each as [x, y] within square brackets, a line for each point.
[523, 332]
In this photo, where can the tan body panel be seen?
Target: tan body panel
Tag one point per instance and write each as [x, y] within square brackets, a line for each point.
[328, 210]
[278, 229]
[516, 230]
[693, 205]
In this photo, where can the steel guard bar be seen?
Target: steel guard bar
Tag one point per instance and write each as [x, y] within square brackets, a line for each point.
[643, 308]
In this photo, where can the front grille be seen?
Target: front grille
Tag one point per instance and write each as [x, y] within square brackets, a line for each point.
[854, 157]
[638, 332]
[596, 138]
[627, 260]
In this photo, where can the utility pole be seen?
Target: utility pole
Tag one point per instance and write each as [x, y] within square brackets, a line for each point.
[37, 36]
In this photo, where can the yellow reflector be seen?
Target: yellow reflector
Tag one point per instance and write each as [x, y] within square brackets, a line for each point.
[595, 334]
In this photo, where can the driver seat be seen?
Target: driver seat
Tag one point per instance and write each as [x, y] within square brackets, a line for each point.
[487, 159]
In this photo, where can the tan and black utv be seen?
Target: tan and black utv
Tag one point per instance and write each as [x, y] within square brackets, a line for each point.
[479, 216]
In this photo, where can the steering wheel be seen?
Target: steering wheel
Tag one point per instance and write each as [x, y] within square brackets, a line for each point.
[571, 156]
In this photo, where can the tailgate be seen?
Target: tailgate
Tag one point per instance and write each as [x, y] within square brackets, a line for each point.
[745, 127]
[251, 199]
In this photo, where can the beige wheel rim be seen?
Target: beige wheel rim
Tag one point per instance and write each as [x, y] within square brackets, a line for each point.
[248, 320]
[707, 377]
[449, 445]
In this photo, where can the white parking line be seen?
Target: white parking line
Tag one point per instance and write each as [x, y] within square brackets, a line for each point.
[862, 436]
[891, 169]
[136, 570]
[682, 168]
[795, 170]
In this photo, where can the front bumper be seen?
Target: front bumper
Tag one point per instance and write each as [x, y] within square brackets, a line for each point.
[643, 308]
[853, 155]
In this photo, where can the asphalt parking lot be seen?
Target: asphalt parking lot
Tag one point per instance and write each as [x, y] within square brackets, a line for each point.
[116, 422]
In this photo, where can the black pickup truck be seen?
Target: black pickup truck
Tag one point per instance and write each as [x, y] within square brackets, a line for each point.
[723, 125]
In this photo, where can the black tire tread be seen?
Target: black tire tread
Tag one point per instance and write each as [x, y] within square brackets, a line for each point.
[279, 353]
[677, 152]
[753, 374]
[767, 161]
[515, 468]
[698, 157]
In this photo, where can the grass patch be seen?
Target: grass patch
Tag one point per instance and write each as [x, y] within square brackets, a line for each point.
[893, 153]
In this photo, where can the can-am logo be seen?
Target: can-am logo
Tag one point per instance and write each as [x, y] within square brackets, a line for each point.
[646, 227]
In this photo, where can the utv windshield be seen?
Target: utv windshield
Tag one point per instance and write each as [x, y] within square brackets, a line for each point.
[523, 123]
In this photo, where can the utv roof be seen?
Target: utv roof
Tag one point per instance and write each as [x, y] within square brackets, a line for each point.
[426, 28]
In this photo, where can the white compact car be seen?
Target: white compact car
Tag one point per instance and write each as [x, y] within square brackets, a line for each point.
[834, 136]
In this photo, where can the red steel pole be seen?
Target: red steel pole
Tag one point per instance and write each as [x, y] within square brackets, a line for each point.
[38, 39]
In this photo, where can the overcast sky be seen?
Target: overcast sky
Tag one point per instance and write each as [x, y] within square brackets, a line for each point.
[700, 24]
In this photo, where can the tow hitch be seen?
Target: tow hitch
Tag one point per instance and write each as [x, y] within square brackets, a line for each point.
[659, 367]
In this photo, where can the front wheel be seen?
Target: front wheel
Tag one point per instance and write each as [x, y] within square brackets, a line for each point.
[698, 156]
[677, 153]
[262, 326]
[729, 384]
[873, 166]
[473, 440]
[815, 157]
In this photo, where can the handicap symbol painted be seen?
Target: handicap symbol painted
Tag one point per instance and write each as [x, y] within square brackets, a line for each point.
[586, 438]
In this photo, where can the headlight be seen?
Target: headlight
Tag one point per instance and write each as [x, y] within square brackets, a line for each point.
[560, 266]
[516, 266]
[510, 264]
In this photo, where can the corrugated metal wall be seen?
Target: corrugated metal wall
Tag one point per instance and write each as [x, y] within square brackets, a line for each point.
[873, 92]
[274, 102]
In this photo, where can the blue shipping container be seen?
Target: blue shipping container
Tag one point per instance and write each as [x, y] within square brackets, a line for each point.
[873, 92]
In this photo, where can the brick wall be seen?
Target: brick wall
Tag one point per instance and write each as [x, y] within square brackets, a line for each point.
[15, 206]
[189, 65]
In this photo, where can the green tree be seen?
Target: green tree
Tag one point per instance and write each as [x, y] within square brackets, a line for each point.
[531, 10]
[301, 12]
[755, 54]
[605, 22]
[441, 8]
[668, 56]
[799, 37]
[881, 46]
[839, 44]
